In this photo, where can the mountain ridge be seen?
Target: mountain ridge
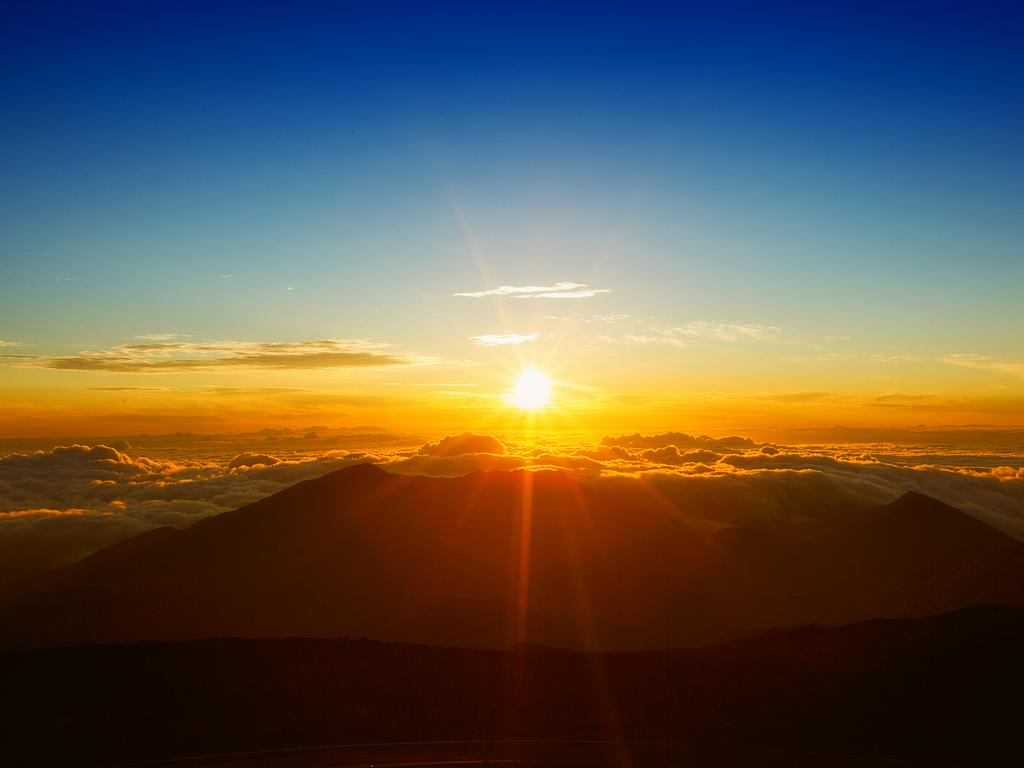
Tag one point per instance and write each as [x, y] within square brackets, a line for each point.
[935, 690]
[363, 552]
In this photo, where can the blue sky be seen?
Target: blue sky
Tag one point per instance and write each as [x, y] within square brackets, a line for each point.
[271, 173]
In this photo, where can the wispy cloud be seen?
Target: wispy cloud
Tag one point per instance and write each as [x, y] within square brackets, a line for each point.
[502, 339]
[731, 332]
[985, 363]
[562, 290]
[648, 331]
[169, 357]
[4, 343]
[157, 336]
[127, 389]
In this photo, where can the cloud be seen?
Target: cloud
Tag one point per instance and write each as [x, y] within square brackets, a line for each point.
[995, 495]
[72, 512]
[128, 389]
[169, 357]
[32, 541]
[670, 454]
[744, 482]
[467, 442]
[454, 465]
[677, 439]
[502, 339]
[252, 460]
[157, 336]
[700, 330]
[900, 399]
[630, 329]
[95, 462]
[796, 397]
[4, 343]
[606, 453]
[731, 332]
[985, 363]
[59, 504]
[733, 478]
[561, 290]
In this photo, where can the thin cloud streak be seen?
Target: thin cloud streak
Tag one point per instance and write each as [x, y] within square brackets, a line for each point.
[985, 363]
[503, 339]
[647, 331]
[171, 357]
[560, 290]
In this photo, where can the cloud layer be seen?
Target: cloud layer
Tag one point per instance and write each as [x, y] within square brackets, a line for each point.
[59, 504]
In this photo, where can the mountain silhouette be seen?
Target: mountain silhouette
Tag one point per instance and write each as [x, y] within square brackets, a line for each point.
[940, 690]
[916, 522]
[497, 558]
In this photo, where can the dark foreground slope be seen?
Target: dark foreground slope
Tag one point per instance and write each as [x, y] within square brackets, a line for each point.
[493, 558]
[944, 689]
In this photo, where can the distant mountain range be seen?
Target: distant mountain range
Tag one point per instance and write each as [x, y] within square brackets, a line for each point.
[360, 552]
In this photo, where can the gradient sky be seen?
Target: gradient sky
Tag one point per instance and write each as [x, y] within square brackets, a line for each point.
[772, 219]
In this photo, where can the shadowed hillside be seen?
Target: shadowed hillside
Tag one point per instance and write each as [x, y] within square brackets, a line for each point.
[495, 558]
[940, 688]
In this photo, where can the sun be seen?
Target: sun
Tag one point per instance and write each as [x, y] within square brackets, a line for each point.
[532, 390]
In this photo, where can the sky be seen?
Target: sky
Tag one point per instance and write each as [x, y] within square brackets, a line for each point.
[772, 221]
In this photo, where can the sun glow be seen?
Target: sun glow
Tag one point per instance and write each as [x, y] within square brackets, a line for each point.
[532, 390]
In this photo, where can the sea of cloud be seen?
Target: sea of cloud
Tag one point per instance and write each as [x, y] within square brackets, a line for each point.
[59, 503]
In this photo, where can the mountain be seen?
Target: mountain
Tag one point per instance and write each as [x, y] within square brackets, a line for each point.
[360, 552]
[940, 690]
[919, 523]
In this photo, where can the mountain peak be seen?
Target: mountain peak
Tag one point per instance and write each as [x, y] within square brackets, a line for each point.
[915, 498]
[916, 515]
[364, 472]
[365, 469]
[916, 503]
[914, 495]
